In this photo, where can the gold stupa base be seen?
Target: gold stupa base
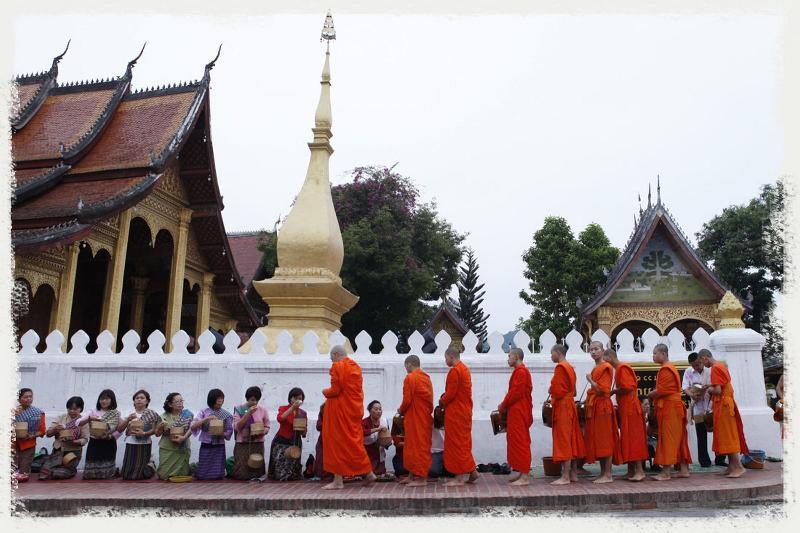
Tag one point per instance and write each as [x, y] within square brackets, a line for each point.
[301, 300]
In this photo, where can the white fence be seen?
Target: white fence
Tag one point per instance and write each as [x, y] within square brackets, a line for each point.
[55, 376]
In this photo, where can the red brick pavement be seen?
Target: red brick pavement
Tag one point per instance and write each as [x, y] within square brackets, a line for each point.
[235, 497]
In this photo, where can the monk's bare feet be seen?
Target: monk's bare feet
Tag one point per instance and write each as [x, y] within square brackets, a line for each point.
[521, 481]
[637, 477]
[736, 472]
[583, 472]
[454, 483]
[369, 479]
[573, 477]
[662, 476]
[473, 476]
[561, 481]
[333, 485]
[603, 479]
[515, 476]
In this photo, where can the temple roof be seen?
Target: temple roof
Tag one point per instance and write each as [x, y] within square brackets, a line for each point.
[655, 218]
[246, 255]
[90, 150]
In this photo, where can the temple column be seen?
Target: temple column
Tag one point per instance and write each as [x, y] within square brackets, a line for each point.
[204, 304]
[137, 305]
[66, 291]
[604, 319]
[115, 276]
[176, 273]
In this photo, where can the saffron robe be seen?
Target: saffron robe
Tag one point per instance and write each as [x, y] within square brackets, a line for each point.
[567, 438]
[673, 442]
[632, 428]
[728, 429]
[602, 434]
[417, 410]
[342, 433]
[518, 406]
[457, 402]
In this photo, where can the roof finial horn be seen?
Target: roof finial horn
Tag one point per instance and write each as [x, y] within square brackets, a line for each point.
[649, 196]
[133, 61]
[58, 58]
[213, 62]
[658, 189]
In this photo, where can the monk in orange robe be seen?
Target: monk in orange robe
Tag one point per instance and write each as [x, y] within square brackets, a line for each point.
[728, 430]
[417, 409]
[632, 429]
[518, 406]
[568, 444]
[673, 442]
[342, 434]
[602, 434]
[457, 404]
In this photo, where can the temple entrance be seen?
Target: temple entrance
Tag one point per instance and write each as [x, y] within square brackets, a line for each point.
[38, 314]
[636, 327]
[87, 302]
[146, 282]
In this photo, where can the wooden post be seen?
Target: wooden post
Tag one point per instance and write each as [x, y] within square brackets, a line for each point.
[66, 291]
[115, 276]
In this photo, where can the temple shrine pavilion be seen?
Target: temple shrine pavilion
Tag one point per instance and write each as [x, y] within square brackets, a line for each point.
[658, 282]
[116, 210]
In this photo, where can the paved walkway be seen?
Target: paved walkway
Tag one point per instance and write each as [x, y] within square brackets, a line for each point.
[491, 491]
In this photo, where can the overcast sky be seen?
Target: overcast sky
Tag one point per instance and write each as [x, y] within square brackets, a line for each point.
[503, 120]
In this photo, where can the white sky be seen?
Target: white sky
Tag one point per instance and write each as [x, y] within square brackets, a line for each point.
[502, 120]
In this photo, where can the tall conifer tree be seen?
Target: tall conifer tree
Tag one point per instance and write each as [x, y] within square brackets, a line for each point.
[470, 296]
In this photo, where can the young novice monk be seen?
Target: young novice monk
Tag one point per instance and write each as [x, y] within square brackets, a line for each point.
[632, 432]
[602, 437]
[417, 409]
[673, 444]
[568, 444]
[518, 406]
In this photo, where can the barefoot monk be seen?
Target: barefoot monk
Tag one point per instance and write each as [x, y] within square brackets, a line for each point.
[457, 404]
[342, 432]
[632, 431]
[568, 444]
[673, 444]
[417, 409]
[728, 430]
[518, 406]
[602, 437]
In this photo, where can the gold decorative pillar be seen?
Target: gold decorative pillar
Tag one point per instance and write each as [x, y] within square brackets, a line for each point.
[306, 292]
[176, 272]
[66, 291]
[115, 276]
[604, 320]
[204, 304]
[730, 311]
[137, 305]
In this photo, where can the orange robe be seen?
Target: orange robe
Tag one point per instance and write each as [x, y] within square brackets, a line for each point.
[518, 406]
[342, 434]
[632, 428]
[417, 409]
[602, 434]
[728, 429]
[457, 403]
[567, 438]
[673, 442]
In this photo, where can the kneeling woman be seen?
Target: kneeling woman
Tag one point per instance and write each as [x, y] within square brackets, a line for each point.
[244, 416]
[372, 425]
[70, 439]
[101, 452]
[211, 462]
[174, 448]
[139, 426]
[287, 445]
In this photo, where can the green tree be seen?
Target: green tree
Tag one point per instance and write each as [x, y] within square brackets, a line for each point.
[745, 247]
[398, 253]
[561, 270]
[470, 296]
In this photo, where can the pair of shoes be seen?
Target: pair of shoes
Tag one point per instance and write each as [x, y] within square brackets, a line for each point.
[484, 468]
[502, 470]
[20, 477]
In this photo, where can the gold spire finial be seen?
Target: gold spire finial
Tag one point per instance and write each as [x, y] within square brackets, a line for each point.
[730, 312]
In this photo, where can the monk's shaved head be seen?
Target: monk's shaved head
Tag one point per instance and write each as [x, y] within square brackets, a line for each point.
[452, 351]
[338, 352]
[517, 352]
[412, 360]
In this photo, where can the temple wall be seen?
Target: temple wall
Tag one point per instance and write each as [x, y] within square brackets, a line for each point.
[54, 377]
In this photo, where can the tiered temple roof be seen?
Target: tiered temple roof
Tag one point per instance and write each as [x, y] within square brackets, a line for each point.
[86, 151]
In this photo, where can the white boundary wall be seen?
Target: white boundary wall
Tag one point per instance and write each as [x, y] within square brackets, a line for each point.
[55, 376]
